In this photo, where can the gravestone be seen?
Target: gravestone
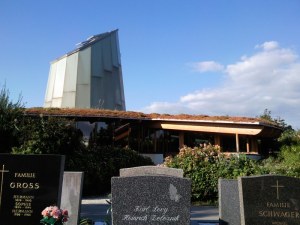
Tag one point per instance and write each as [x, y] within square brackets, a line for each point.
[71, 195]
[151, 199]
[28, 184]
[150, 170]
[269, 199]
[260, 200]
[229, 203]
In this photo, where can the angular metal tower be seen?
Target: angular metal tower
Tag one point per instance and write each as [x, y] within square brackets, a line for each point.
[88, 77]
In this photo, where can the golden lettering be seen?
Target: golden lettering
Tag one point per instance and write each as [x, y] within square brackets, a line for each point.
[23, 197]
[279, 214]
[277, 186]
[2, 171]
[24, 185]
[278, 205]
[23, 203]
[26, 175]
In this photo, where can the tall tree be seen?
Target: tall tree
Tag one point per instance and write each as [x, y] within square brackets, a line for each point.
[267, 115]
[11, 114]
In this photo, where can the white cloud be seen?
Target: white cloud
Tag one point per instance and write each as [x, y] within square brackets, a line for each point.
[166, 107]
[206, 66]
[270, 79]
[262, 65]
[269, 45]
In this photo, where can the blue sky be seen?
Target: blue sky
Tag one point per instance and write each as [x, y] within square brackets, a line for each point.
[210, 57]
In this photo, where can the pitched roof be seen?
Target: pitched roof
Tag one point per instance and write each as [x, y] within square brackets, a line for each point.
[89, 41]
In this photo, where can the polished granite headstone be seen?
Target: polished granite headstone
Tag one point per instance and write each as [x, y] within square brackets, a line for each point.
[71, 195]
[269, 200]
[151, 199]
[28, 184]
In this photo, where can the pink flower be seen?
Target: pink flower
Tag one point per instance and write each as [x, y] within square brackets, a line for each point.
[56, 212]
[46, 212]
[65, 212]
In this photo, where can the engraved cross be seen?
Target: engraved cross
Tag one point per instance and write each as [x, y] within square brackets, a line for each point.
[277, 186]
[2, 171]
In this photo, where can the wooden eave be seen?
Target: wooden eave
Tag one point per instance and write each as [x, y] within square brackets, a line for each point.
[197, 123]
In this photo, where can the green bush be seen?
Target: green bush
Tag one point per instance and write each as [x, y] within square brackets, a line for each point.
[288, 161]
[54, 135]
[103, 162]
[10, 117]
[198, 164]
[204, 166]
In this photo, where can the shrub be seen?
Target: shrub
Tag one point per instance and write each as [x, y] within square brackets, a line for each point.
[52, 135]
[103, 162]
[205, 165]
[288, 160]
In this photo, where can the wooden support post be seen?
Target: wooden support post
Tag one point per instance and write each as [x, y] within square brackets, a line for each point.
[254, 145]
[181, 139]
[237, 142]
[248, 145]
[217, 140]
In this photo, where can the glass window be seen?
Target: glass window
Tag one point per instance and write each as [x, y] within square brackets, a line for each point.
[228, 143]
[193, 139]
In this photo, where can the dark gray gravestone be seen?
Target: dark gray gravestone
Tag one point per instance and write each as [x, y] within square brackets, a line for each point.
[71, 195]
[150, 170]
[156, 200]
[269, 199]
[28, 184]
[229, 204]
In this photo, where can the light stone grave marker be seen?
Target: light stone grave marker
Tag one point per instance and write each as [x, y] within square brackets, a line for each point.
[71, 195]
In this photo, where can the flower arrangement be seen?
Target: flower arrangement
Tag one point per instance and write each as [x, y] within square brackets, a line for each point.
[52, 215]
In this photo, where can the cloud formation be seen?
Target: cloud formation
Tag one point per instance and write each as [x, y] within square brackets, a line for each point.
[206, 66]
[270, 79]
